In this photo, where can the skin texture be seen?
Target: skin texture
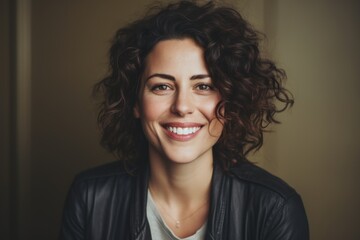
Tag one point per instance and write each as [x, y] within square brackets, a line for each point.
[177, 92]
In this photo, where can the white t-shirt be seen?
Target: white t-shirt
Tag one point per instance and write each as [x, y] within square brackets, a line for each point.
[159, 229]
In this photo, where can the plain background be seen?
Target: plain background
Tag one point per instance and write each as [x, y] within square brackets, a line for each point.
[52, 52]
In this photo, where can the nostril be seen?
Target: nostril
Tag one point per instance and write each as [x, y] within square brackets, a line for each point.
[183, 105]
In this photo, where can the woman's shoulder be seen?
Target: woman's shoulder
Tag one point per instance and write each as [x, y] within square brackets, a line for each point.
[268, 199]
[259, 179]
[94, 194]
[105, 180]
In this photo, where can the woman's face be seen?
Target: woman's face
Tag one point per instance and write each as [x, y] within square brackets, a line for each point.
[177, 103]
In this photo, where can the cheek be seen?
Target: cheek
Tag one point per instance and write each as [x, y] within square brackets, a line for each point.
[209, 110]
[151, 109]
[208, 107]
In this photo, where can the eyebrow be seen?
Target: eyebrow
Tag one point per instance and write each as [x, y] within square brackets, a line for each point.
[172, 78]
[161, 75]
[199, 76]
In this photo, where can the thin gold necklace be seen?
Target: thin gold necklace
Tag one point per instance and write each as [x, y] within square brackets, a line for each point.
[179, 221]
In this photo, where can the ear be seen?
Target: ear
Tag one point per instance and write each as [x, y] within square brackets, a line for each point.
[136, 110]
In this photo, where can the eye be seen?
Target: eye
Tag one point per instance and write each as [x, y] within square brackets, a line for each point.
[160, 87]
[204, 87]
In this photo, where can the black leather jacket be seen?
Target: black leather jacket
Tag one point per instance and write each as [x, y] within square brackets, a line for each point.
[247, 203]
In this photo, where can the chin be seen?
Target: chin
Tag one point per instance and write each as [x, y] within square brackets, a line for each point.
[185, 157]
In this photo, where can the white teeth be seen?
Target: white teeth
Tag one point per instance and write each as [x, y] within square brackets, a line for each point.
[183, 131]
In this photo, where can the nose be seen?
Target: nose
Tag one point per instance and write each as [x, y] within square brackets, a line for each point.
[183, 104]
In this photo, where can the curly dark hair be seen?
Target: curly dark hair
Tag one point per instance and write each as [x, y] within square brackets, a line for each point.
[250, 85]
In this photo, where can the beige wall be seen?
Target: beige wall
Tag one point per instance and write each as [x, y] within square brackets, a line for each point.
[314, 149]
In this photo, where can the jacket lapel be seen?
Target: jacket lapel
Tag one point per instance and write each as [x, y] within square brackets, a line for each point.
[218, 205]
[139, 226]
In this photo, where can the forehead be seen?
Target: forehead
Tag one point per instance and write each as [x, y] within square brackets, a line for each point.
[176, 55]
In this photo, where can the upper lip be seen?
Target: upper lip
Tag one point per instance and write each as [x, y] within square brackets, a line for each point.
[182, 124]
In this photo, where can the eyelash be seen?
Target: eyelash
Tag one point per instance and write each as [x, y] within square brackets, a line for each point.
[160, 87]
[208, 87]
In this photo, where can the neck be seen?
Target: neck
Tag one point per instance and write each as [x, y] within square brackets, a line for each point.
[181, 192]
[181, 184]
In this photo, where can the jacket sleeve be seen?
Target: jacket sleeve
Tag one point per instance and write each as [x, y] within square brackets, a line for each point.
[289, 222]
[73, 222]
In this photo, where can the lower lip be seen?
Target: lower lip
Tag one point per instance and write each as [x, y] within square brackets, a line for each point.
[181, 138]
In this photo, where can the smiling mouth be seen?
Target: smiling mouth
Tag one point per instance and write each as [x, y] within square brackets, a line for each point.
[183, 131]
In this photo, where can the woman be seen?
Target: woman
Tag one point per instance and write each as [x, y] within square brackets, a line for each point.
[187, 97]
